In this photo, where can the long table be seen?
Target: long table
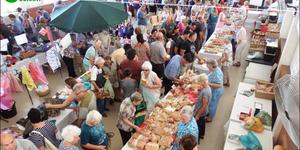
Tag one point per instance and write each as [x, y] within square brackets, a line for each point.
[256, 72]
[66, 117]
[214, 56]
[242, 103]
[40, 57]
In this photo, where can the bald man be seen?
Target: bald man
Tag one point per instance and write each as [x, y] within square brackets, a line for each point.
[8, 142]
[158, 55]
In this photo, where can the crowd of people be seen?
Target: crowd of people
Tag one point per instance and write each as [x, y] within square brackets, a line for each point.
[142, 70]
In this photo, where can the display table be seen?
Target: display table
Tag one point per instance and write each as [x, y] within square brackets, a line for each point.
[256, 72]
[66, 117]
[200, 68]
[41, 57]
[265, 137]
[244, 103]
[214, 56]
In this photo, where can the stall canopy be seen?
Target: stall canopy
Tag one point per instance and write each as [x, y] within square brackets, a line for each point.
[88, 15]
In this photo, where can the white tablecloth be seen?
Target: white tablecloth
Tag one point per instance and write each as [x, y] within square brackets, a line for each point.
[216, 56]
[198, 69]
[66, 117]
[265, 138]
[243, 102]
[256, 72]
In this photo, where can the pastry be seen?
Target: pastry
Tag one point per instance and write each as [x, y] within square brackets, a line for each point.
[151, 146]
[140, 144]
[166, 141]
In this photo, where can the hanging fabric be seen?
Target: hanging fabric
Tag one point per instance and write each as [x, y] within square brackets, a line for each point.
[37, 74]
[41, 73]
[27, 79]
[6, 94]
[15, 84]
[53, 59]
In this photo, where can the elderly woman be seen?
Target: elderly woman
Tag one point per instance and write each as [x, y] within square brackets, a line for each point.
[215, 79]
[70, 101]
[41, 130]
[70, 134]
[186, 126]
[125, 121]
[93, 135]
[86, 98]
[150, 85]
[92, 53]
[201, 106]
[98, 81]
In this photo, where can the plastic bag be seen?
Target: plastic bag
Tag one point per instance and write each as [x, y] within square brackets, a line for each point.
[250, 141]
[265, 118]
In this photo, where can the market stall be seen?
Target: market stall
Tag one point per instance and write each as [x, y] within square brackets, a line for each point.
[161, 125]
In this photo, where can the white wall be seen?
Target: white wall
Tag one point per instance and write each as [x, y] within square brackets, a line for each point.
[291, 43]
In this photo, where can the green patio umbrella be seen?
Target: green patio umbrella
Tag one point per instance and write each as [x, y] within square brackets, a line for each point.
[88, 15]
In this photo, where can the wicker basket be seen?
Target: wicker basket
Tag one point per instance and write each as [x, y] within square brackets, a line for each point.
[264, 94]
[43, 93]
[272, 34]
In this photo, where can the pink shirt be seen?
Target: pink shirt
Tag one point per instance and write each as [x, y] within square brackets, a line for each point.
[181, 27]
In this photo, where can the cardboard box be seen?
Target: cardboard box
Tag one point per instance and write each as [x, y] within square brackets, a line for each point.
[260, 90]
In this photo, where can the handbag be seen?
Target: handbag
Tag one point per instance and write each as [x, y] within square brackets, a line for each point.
[48, 144]
[250, 141]
[140, 113]
[6, 114]
[53, 112]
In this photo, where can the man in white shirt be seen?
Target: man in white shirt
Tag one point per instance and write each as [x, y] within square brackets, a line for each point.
[241, 38]
[196, 9]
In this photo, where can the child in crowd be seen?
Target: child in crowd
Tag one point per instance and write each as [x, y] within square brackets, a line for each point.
[128, 85]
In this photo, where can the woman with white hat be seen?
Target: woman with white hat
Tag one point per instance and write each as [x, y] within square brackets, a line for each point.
[150, 85]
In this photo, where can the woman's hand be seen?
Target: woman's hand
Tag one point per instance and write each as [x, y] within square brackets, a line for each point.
[138, 130]
[48, 105]
[101, 147]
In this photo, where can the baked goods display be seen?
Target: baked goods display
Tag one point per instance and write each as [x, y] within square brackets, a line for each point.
[272, 27]
[273, 30]
[258, 41]
[159, 129]
[217, 43]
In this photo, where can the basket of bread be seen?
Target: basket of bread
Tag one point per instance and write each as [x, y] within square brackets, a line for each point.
[264, 89]
[273, 30]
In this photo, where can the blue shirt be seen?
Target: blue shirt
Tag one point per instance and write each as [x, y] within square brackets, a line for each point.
[204, 93]
[216, 76]
[141, 18]
[184, 129]
[173, 67]
[212, 19]
[18, 26]
[93, 134]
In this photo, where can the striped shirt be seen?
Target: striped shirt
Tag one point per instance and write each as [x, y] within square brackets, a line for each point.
[48, 131]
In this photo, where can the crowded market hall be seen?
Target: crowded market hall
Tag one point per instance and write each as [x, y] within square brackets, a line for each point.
[149, 75]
